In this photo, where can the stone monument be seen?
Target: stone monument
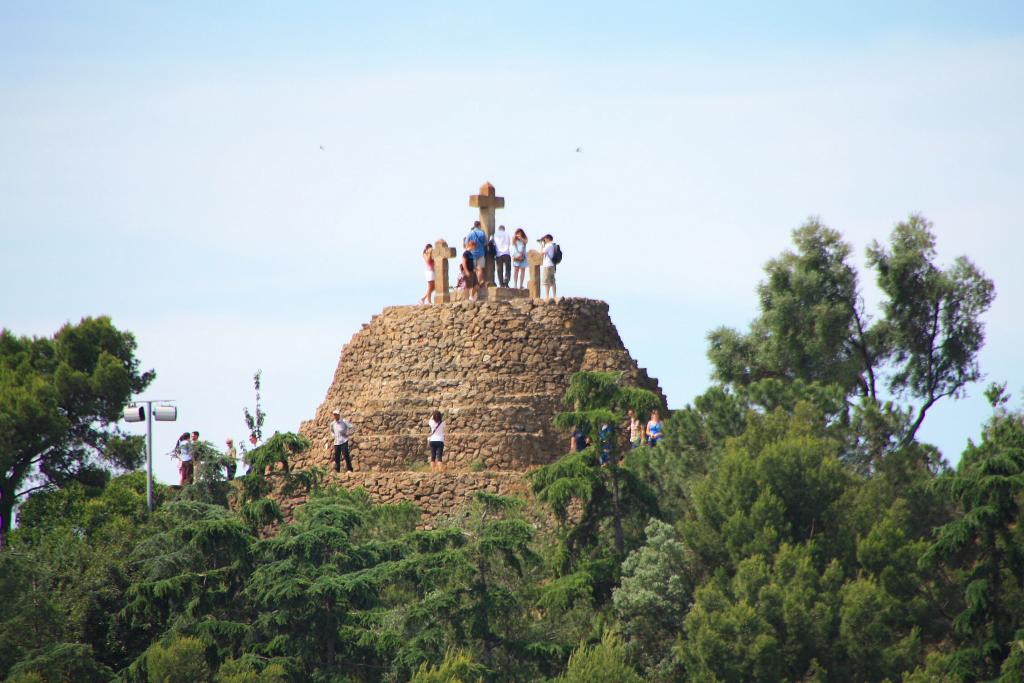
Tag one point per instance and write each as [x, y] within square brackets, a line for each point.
[496, 370]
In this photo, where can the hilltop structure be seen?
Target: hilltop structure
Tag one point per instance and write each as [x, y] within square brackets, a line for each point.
[497, 370]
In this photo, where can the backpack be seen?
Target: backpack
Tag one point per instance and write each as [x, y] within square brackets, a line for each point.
[556, 255]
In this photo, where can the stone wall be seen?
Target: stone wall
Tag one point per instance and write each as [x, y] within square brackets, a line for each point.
[497, 370]
[437, 493]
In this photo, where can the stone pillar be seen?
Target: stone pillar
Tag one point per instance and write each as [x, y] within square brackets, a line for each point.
[534, 259]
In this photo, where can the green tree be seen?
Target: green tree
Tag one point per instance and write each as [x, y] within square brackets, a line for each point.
[63, 662]
[813, 325]
[457, 667]
[71, 554]
[604, 662]
[191, 566]
[181, 660]
[653, 597]
[471, 592]
[984, 546]
[312, 587]
[60, 400]
[932, 320]
[613, 494]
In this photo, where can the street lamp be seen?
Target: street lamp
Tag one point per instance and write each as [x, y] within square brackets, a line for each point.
[141, 410]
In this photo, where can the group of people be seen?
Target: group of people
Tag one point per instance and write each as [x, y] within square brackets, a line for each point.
[187, 452]
[649, 434]
[640, 434]
[342, 430]
[510, 262]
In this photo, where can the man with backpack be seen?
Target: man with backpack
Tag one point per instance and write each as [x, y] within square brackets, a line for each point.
[476, 244]
[552, 257]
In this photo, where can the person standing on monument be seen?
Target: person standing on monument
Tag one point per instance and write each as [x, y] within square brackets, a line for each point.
[183, 451]
[519, 262]
[655, 430]
[502, 257]
[231, 459]
[341, 429]
[428, 260]
[436, 441]
[636, 430]
[547, 268]
[476, 244]
[579, 439]
[467, 276]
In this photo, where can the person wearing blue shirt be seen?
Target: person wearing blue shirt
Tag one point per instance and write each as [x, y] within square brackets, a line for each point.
[606, 439]
[476, 244]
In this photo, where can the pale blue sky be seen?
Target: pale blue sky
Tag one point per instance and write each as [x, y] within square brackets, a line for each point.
[163, 165]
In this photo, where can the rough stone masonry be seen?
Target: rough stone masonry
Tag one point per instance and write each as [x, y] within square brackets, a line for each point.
[497, 370]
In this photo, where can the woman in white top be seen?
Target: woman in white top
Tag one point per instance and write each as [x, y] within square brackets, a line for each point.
[428, 271]
[436, 441]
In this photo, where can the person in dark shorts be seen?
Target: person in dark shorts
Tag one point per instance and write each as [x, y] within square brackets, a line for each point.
[341, 429]
[436, 441]
[578, 441]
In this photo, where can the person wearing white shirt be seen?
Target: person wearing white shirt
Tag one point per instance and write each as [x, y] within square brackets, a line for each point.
[183, 451]
[547, 267]
[502, 256]
[341, 430]
[436, 441]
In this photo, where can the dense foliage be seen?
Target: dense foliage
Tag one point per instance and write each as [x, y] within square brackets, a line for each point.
[791, 526]
[60, 399]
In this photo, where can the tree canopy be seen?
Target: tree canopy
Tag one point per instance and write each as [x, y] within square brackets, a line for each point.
[60, 400]
[791, 525]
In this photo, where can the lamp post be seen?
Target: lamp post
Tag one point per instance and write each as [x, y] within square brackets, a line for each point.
[140, 410]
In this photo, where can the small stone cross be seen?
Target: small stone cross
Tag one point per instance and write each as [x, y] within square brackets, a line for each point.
[488, 203]
[441, 253]
[534, 259]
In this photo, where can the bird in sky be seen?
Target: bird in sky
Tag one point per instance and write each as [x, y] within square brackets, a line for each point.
[323, 150]
[578, 149]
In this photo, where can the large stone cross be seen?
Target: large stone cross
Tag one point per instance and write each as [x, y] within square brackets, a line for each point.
[488, 203]
[441, 253]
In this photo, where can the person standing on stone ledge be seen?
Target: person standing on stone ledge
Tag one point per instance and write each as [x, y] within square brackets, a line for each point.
[476, 244]
[231, 459]
[183, 452]
[636, 430]
[655, 430]
[502, 257]
[341, 429]
[428, 259]
[519, 262]
[579, 440]
[436, 441]
[547, 268]
[467, 276]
